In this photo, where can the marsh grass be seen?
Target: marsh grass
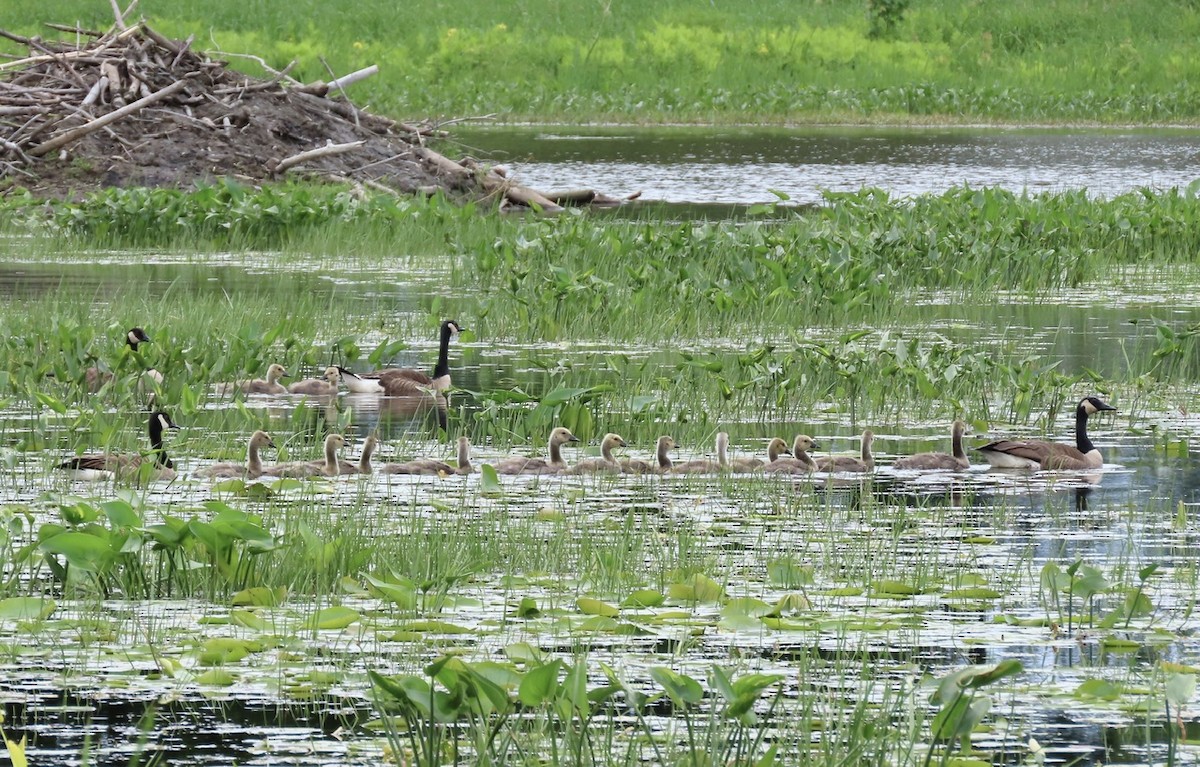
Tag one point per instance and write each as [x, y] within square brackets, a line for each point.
[675, 61]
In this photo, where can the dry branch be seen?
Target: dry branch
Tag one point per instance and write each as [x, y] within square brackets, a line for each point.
[63, 139]
[313, 154]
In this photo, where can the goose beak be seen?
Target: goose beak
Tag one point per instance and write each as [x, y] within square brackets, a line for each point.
[1106, 406]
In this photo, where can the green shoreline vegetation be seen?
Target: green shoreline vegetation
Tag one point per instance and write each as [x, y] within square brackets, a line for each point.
[769, 61]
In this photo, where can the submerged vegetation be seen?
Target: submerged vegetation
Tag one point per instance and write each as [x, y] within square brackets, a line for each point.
[769, 60]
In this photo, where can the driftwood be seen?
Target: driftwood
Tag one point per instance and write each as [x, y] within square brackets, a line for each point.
[142, 109]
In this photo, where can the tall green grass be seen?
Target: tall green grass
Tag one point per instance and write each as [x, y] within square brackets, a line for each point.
[716, 62]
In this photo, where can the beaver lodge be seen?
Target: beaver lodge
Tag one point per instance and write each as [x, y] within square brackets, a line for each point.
[131, 107]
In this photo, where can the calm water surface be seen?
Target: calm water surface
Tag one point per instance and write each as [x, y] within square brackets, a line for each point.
[85, 679]
[744, 165]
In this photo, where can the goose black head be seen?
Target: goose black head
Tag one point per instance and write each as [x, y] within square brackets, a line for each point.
[1094, 404]
[452, 327]
[160, 420]
[136, 336]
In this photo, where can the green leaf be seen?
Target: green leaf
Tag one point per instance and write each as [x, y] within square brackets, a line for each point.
[86, 552]
[332, 618]
[539, 684]
[697, 588]
[682, 690]
[644, 598]
[1180, 688]
[26, 608]
[1098, 689]
[489, 481]
[260, 596]
[590, 606]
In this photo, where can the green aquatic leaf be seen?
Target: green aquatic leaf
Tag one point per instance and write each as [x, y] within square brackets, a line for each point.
[1099, 689]
[332, 618]
[590, 606]
[86, 552]
[489, 481]
[644, 598]
[697, 588]
[680, 688]
[26, 608]
[260, 596]
[1180, 688]
[539, 684]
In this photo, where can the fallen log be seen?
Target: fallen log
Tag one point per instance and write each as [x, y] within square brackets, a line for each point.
[312, 154]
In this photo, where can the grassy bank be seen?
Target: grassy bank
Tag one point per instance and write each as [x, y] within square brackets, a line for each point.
[770, 60]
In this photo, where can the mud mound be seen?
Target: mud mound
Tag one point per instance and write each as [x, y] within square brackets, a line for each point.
[130, 107]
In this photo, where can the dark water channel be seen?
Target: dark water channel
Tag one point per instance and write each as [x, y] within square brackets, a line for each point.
[744, 165]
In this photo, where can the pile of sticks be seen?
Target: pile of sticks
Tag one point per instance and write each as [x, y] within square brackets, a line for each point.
[111, 92]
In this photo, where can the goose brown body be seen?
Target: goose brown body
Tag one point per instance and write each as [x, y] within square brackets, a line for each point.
[552, 465]
[330, 467]
[662, 459]
[93, 466]
[1040, 454]
[251, 469]
[606, 463]
[956, 460]
[799, 462]
[864, 463]
[326, 385]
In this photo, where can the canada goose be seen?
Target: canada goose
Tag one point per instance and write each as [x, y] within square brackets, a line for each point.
[330, 467]
[93, 466]
[518, 465]
[957, 461]
[705, 465]
[363, 465]
[430, 466]
[325, 385]
[662, 464]
[251, 469]
[94, 377]
[1038, 454]
[775, 448]
[849, 463]
[605, 463]
[409, 379]
[269, 385]
[799, 462]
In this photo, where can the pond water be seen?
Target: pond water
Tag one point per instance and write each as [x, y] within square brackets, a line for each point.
[966, 549]
[745, 165]
[885, 581]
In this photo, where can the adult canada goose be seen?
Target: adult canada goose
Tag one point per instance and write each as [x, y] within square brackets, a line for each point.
[269, 385]
[956, 460]
[605, 463]
[363, 465]
[400, 381]
[94, 377]
[330, 467]
[559, 436]
[1038, 454]
[705, 465]
[430, 466]
[325, 385]
[93, 466]
[662, 462]
[799, 462]
[849, 463]
[251, 469]
[775, 448]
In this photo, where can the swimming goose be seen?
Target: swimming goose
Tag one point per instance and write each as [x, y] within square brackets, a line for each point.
[518, 465]
[705, 465]
[799, 462]
[251, 469]
[330, 467]
[325, 385]
[93, 466]
[848, 463]
[363, 465]
[605, 463]
[94, 377]
[956, 461]
[775, 448]
[1038, 454]
[663, 462]
[431, 466]
[400, 381]
[269, 385]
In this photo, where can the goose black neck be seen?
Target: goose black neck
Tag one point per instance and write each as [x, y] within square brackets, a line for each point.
[442, 367]
[1082, 442]
[156, 445]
